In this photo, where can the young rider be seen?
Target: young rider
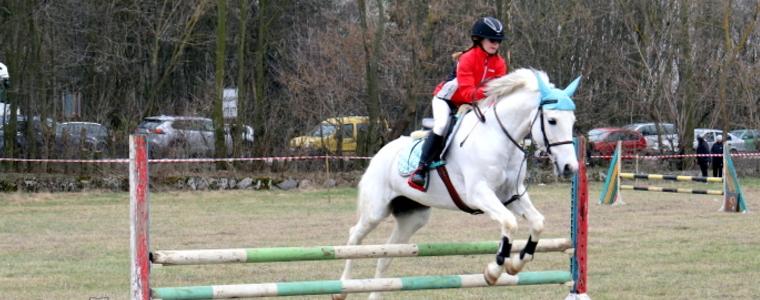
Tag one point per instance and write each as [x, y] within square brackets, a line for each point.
[475, 67]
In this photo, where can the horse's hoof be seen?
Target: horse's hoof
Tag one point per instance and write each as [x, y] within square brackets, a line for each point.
[511, 271]
[510, 267]
[339, 297]
[492, 273]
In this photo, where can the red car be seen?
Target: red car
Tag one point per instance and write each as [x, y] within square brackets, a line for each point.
[602, 141]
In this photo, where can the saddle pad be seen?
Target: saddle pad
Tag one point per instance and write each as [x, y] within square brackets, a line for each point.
[409, 157]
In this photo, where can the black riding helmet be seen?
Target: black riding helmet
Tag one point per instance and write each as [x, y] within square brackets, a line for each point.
[488, 28]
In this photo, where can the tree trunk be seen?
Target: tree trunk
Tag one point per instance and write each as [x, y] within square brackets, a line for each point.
[372, 52]
[262, 44]
[221, 42]
[732, 50]
[687, 85]
[504, 13]
[241, 86]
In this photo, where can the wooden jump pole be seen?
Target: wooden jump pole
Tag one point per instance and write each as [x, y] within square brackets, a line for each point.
[670, 177]
[650, 188]
[322, 287]
[282, 254]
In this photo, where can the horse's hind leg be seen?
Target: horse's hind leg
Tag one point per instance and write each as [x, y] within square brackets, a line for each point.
[410, 217]
[525, 208]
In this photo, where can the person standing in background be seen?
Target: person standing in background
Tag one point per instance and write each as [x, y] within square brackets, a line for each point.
[717, 161]
[703, 149]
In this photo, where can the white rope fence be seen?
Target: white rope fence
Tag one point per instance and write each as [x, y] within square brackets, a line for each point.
[752, 155]
[188, 160]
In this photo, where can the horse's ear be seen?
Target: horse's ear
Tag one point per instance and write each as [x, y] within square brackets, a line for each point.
[570, 89]
[542, 86]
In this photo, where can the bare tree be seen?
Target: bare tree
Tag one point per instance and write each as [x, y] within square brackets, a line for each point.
[372, 51]
[221, 54]
[733, 49]
[242, 98]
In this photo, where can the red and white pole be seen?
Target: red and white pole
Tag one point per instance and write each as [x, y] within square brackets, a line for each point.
[139, 205]
[579, 226]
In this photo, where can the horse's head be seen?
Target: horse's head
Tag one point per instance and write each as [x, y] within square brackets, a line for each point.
[531, 105]
[552, 128]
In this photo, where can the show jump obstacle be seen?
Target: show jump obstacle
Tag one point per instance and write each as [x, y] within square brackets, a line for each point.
[733, 198]
[142, 258]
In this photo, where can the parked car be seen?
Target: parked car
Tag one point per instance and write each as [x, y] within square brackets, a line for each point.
[710, 135]
[68, 136]
[38, 130]
[668, 132]
[602, 141]
[751, 138]
[183, 136]
[247, 134]
[324, 137]
[178, 136]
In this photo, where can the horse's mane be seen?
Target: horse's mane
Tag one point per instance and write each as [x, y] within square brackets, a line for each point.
[514, 81]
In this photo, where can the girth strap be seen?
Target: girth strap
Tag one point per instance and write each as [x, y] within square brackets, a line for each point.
[453, 192]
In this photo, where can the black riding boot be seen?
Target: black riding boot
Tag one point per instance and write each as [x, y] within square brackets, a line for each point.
[431, 150]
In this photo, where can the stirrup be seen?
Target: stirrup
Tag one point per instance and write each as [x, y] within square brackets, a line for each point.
[416, 186]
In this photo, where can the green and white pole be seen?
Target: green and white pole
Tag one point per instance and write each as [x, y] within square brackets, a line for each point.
[322, 287]
[283, 254]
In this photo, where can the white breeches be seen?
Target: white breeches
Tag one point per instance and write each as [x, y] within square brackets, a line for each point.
[441, 109]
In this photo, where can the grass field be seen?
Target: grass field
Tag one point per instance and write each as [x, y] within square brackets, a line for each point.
[657, 246]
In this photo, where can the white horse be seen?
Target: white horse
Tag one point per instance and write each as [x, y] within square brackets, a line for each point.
[486, 167]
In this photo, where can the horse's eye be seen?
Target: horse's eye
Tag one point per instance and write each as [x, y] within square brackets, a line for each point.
[552, 121]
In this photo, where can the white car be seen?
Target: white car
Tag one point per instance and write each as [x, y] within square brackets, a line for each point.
[710, 135]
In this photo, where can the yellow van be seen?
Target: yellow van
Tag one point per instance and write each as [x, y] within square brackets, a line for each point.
[324, 137]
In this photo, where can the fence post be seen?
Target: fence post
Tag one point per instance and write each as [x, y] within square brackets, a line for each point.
[579, 225]
[139, 206]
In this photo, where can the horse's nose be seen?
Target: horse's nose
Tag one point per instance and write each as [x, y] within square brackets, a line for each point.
[568, 171]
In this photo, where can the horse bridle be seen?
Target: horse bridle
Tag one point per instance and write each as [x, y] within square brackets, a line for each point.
[540, 114]
[548, 145]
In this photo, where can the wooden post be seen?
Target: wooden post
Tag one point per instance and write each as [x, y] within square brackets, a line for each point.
[139, 218]
[579, 225]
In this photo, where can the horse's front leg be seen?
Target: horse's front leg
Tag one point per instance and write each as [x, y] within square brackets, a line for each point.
[486, 200]
[525, 208]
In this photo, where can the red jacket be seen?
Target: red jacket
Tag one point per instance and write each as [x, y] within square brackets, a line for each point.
[474, 69]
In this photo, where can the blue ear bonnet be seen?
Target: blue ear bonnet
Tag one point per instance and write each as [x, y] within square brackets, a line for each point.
[556, 99]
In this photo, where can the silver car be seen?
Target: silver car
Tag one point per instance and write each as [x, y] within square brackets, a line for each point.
[178, 136]
[181, 136]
